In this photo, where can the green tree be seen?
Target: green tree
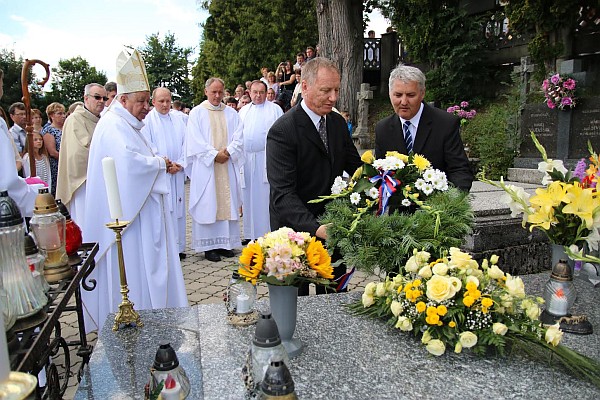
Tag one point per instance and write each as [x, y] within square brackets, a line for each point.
[242, 36]
[12, 67]
[70, 78]
[168, 65]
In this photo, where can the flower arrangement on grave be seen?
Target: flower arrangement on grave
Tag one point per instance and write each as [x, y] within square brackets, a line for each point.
[390, 206]
[286, 258]
[452, 303]
[461, 111]
[567, 208]
[559, 91]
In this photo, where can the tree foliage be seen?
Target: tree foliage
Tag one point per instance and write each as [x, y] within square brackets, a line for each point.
[12, 67]
[242, 36]
[69, 80]
[168, 65]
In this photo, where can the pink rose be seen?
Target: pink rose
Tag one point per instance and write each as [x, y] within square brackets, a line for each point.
[555, 79]
[567, 101]
[569, 84]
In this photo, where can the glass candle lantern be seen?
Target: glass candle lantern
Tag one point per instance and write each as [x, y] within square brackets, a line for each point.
[241, 295]
[266, 346]
[73, 237]
[277, 382]
[559, 292]
[166, 363]
[35, 260]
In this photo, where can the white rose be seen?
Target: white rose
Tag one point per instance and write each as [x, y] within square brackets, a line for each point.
[495, 273]
[440, 269]
[422, 256]
[367, 300]
[425, 272]
[554, 335]
[426, 337]
[396, 308]
[515, 286]
[440, 288]
[499, 328]
[436, 347]
[506, 300]
[494, 259]
[370, 288]
[412, 265]
[468, 339]
[380, 290]
[404, 324]
[533, 312]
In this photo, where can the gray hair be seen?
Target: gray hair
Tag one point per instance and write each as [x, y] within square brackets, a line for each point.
[89, 86]
[212, 80]
[311, 68]
[406, 73]
[110, 87]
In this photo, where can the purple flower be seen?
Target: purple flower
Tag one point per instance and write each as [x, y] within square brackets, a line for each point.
[579, 170]
[464, 104]
[450, 110]
[570, 84]
[567, 101]
[550, 104]
[555, 79]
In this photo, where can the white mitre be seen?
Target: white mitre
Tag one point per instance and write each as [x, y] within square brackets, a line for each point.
[131, 73]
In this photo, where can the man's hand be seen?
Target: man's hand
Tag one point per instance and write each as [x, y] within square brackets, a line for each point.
[222, 156]
[174, 168]
[321, 232]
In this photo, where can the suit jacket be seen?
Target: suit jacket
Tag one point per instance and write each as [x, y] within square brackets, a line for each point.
[300, 169]
[437, 138]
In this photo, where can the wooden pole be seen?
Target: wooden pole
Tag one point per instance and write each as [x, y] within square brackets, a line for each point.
[27, 101]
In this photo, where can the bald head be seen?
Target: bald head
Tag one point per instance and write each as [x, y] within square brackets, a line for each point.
[161, 100]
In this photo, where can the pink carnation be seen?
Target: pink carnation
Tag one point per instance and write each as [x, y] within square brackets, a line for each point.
[569, 84]
[555, 79]
[567, 101]
[464, 104]
[545, 84]
[550, 104]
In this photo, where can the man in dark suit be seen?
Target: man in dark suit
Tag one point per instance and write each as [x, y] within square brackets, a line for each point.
[307, 148]
[422, 129]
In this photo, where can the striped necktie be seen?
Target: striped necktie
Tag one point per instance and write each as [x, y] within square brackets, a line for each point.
[407, 136]
[323, 132]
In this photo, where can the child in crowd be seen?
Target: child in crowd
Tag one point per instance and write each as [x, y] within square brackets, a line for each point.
[42, 163]
[348, 121]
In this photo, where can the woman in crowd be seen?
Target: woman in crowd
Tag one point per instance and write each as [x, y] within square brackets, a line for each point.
[42, 163]
[297, 96]
[287, 83]
[272, 82]
[36, 120]
[52, 135]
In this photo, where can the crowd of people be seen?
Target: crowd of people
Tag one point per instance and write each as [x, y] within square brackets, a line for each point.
[258, 156]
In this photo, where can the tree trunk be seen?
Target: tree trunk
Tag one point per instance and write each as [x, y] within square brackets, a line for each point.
[341, 40]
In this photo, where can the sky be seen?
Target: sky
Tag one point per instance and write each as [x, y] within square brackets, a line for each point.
[97, 30]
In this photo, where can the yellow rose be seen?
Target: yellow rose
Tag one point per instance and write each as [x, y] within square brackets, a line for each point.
[396, 308]
[499, 328]
[554, 335]
[425, 272]
[404, 324]
[495, 272]
[367, 157]
[367, 300]
[426, 337]
[440, 269]
[370, 288]
[461, 260]
[440, 288]
[515, 286]
[436, 347]
[380, 289]
[468, 339]
[458, 347]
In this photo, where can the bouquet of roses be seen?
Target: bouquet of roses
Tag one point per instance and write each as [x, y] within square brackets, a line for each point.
[461, 112]
[559, 91]
[286, 257]
[567, 208]
[390, 206]
[454, 303]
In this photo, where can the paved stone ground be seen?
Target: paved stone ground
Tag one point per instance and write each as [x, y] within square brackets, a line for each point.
[205, 283]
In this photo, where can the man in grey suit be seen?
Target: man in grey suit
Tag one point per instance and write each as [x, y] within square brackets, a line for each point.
[422, 129]
[307, 148]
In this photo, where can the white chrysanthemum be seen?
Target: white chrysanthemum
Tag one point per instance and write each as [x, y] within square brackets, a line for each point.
[406, 202]
[372, 193]
[355, 198]
[420, 184]
[427, 189]
[429, 175]
[396, 163]
[339, 184]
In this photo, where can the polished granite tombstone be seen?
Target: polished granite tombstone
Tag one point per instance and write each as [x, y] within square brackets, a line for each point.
[345, 357]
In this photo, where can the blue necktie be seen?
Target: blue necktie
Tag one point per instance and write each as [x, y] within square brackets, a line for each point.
[407, 137]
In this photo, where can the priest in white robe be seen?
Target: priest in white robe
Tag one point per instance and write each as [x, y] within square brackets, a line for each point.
[213, 157]
[257, 118]
[165, 129]
[149, 243]
[75, 150]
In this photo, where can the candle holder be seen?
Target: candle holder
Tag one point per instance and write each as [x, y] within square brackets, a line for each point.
[126, 314]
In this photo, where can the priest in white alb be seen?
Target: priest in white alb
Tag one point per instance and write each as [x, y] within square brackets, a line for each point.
[213, 157]
[257, 118]
[75, 150]
[149, 242]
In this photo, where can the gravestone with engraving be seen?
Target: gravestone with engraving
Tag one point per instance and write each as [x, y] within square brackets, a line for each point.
[544, 123]
[586, 127]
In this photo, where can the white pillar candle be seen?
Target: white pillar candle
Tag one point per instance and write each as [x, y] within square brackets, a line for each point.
[243, 304]
[112, 187]
[4, 363]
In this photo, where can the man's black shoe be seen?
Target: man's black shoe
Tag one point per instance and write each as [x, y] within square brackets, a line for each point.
[212, 255]
[225, 253]
[245, 242]
[182, 256]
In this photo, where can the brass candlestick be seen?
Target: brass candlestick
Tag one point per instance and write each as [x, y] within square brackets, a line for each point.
[126, 314]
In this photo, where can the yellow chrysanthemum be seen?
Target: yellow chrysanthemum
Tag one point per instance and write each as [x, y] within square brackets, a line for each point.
[451, 324]
[468, 301]
[368, 157]
[416, 282]
[487, 302]
[431, 310]
[471, 286]
[432, 319]
[251, 262]
[318, 259]
[442, 310]
[421, 162]
[421, 306]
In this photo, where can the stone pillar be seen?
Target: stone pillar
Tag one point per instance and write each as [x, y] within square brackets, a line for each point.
[361, 133]
[389, 58]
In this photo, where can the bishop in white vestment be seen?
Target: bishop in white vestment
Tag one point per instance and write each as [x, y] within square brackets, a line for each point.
[213, 156]
[257, 118]
[165, 129]
[149, 243]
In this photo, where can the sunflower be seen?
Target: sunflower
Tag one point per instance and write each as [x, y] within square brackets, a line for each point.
[251, 262]
[318, 259]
